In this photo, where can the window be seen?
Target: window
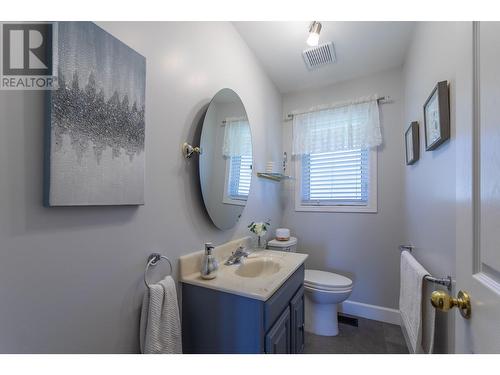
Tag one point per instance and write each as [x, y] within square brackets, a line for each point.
[342, 181]
[335, 153]
[238, 178]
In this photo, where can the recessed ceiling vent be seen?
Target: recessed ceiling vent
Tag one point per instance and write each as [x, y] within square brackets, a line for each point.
[321, 55]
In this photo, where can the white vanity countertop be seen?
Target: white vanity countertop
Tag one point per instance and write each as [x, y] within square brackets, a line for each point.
[260, 287]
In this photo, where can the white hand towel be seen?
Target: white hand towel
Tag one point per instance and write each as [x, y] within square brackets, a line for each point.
[410, 302]
[160, 329]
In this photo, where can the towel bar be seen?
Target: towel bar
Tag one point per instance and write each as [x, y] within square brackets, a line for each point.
[406, 247]
[445, 281]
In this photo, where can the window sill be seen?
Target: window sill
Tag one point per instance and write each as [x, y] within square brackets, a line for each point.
[347, 209]
[234, 202]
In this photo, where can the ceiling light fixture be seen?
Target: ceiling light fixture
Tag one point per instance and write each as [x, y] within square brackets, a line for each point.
[314, 30]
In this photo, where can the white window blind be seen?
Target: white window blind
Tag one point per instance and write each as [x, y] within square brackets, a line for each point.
[336, 178]
[240, 176]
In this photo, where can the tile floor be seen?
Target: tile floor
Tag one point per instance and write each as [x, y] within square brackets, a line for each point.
[370, 337]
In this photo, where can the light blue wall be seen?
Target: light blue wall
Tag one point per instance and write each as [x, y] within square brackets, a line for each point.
[363, 246]
[71, 278]
[430, 198]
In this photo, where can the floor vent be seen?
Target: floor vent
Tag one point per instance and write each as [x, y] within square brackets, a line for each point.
[315, 57]
[344, 319]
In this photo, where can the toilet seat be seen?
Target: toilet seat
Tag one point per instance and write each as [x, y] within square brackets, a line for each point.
[328, 290]
[326, 281]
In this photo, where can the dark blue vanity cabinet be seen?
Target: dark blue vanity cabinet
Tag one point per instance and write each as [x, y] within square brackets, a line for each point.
[220, 322]
[297, 321]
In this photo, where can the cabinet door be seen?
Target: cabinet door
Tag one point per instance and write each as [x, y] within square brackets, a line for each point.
[297, 321]
[278, 338]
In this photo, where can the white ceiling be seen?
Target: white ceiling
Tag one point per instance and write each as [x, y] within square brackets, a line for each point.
[361, 48]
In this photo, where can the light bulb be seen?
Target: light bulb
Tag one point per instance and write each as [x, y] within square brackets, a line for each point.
[313, 39]
[314, 30]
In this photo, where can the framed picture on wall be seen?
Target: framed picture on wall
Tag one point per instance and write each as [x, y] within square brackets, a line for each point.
[437, 116]
[94, 151]
[412, 142]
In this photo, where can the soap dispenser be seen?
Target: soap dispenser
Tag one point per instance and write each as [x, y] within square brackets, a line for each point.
[209, 264]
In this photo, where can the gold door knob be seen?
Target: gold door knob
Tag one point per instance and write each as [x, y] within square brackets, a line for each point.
[444, 302]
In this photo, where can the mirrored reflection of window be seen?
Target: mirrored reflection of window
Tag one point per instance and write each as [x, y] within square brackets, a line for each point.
[237, 150]
[239, 176]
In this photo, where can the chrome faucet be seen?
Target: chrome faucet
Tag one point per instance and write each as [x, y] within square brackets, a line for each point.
[236, 256]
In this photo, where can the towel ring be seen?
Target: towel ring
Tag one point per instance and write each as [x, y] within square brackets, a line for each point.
[153, 260]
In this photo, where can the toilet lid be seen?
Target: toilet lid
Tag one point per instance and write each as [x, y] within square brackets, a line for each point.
[326, 280]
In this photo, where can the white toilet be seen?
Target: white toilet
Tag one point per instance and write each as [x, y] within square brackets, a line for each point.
[323, 292]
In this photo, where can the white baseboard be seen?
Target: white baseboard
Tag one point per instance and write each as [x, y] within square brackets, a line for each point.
[374, 312]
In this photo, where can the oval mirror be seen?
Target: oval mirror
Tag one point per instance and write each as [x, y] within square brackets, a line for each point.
[226, 159]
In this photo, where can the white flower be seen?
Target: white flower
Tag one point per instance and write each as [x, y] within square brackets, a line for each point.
[260, 229]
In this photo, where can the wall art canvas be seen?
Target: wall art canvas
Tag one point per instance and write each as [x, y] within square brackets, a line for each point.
[94, 152]
[412, 143]
[437, 116]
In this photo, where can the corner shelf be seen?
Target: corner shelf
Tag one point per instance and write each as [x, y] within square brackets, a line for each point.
[274, 176]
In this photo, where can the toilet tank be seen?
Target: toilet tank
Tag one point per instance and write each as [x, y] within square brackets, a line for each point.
[290, 245]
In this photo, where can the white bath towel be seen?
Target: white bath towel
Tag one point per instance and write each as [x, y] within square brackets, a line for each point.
[410, 304]
[160, 328]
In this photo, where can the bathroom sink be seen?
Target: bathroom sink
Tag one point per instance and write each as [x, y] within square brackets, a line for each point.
[258, 276]
[262, 266]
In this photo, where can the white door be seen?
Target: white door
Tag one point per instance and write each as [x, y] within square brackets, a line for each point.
[478, 186]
